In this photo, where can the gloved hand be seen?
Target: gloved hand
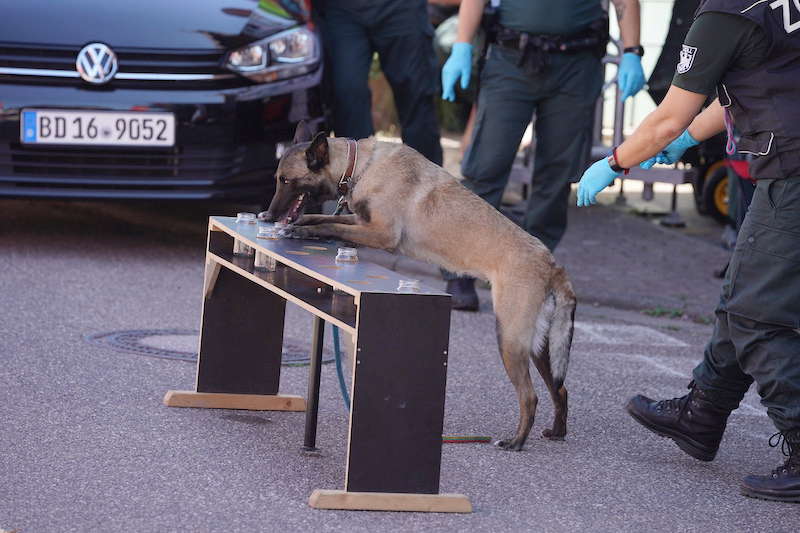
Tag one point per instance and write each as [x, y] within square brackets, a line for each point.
[596, 178]
[630, 75]
[673, 152]
[458, 64]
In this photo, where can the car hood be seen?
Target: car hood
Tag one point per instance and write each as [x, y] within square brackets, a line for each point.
[163, 24]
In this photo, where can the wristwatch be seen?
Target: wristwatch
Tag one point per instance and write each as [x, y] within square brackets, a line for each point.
[638, 50]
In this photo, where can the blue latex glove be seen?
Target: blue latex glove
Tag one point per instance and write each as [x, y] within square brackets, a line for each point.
[673, 152]
[458, 64]
[631, 75]
[596, 178]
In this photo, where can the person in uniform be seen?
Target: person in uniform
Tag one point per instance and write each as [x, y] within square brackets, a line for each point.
[755, 69]
[400, 32]
[544, 58]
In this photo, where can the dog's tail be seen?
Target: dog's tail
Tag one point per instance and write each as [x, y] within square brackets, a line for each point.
[555, 326]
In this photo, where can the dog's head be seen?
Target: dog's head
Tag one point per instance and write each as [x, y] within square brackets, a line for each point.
[303, 174]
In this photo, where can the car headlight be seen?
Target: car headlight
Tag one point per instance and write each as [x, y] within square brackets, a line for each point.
[283, 55]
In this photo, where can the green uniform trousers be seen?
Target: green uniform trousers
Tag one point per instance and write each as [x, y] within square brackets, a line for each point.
[563, 97]
[756, 336]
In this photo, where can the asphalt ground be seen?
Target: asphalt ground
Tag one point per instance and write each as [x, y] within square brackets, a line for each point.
[86, 444]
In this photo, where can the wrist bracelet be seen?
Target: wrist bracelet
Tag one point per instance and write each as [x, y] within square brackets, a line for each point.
[612, 162]
[638, 50]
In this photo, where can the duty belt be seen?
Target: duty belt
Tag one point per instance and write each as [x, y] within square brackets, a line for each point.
[534, 49]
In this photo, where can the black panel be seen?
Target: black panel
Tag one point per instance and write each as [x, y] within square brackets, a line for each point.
[240, 350]
[220, 243]
[398, 393]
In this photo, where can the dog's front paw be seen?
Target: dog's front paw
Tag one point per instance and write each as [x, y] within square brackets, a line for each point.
[302, 232]
[510, 445]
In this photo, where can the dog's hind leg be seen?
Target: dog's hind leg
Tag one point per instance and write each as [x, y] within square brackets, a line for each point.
[515, 336]
[558, 394]
[552, 344]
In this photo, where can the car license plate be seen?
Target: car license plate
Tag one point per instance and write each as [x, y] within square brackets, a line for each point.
[60, 126]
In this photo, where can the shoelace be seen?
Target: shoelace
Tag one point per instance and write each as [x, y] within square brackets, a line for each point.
[789, 448]
[789, 441]
[676, 404]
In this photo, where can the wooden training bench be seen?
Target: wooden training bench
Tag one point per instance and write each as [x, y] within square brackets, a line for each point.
[399, 373]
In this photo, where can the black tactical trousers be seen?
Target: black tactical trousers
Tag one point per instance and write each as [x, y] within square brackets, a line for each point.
[403, 40]
[563, 96]
[757, 332]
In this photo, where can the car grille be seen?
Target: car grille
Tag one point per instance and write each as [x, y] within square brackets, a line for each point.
[196, 69]
[180, 166]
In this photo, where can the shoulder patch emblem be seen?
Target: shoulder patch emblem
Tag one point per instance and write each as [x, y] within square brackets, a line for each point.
[687, 58]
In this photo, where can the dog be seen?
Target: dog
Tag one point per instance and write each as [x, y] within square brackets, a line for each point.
[401, 202]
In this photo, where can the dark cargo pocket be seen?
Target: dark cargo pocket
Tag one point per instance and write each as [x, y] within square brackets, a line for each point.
[765, 280]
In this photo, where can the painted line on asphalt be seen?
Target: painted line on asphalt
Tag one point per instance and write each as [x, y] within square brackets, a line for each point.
[747, 409]
[656, 364]
[623, 334]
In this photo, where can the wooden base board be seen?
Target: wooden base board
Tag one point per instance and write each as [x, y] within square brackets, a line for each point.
[389, 501]
[250, 402]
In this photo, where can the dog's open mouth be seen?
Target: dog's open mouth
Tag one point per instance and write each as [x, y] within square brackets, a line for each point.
[295, 210]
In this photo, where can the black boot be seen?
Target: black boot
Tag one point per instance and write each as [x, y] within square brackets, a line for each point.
[463, 293]
[783, 484]
[693, 421]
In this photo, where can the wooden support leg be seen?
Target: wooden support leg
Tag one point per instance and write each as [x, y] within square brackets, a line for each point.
[240, 348]
[399, 382]
[383, 501]
[397, 411]
[220, 400]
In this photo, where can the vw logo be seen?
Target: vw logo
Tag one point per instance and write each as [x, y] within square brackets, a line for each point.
[96, 63]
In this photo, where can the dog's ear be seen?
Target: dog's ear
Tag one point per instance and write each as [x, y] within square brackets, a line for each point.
[317, 156]
[302, 133]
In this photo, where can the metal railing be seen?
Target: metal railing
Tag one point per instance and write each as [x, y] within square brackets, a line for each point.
[674, 175]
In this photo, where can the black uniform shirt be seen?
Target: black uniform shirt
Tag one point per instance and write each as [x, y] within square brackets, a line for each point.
[717, 43]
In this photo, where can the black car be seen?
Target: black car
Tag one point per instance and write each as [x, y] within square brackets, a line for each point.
[167, 99]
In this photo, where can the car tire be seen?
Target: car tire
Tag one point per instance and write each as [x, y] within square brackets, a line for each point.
[698, 180]
[715, 192]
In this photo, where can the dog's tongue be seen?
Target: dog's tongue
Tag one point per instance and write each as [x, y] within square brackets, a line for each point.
[294, 210]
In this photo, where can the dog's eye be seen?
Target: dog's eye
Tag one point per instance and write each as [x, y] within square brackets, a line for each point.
[283, 180]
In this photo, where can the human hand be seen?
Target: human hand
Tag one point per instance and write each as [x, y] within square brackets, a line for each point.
[458, 64]
[630, 75]
[596, 178]
[673, 151]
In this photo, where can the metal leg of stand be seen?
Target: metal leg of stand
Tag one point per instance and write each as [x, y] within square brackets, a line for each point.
[620, 199]
[647, 192]
[674, 220]
[314, 371]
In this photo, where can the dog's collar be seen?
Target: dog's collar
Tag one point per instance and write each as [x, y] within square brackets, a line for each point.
[344, 182]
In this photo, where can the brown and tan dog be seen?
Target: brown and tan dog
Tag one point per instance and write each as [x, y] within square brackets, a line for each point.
[402, 202]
